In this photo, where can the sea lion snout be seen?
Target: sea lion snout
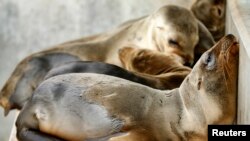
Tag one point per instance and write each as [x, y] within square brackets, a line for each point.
[230, 43]
[189, 61]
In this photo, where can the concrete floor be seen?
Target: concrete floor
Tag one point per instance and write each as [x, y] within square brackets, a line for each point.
[30, 26]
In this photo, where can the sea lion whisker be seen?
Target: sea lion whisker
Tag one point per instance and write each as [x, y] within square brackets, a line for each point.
[224, 77]
[226, 70]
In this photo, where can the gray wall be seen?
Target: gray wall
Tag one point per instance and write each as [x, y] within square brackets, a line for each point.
[240, 27]
[28, 26]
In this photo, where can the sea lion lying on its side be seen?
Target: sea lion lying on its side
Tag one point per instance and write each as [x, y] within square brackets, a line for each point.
[108, 69]
[82, 106]
[150, 62]
[212, 14]
[147, 67]
[171, 29]
[166, 69]
[169, 76]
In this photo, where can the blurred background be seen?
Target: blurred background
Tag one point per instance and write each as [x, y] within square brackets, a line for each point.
[28, 26]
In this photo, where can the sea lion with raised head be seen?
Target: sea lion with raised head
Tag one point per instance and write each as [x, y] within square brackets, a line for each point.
[212, 14]
[170, 29]
[83, 106]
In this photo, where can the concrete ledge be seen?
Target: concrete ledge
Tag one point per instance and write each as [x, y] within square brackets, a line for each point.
[238, 23]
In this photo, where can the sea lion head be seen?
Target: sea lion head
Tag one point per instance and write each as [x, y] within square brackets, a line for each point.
[215, 75]
[212, 14]
[175, 30]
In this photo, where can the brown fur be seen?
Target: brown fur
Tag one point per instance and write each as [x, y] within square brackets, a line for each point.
[159, 31]
[212, 14]
[206, 96]
[150, 62]
[167, 70]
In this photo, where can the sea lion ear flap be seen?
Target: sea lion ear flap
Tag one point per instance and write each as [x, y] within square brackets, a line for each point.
[199, 84]
[206, 41]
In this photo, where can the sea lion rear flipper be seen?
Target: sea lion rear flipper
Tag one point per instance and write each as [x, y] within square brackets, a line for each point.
[32, 135]
[206, 41]
[27, 75]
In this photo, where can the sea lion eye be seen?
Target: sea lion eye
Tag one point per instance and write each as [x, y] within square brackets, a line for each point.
[209, 61]
[173, 42]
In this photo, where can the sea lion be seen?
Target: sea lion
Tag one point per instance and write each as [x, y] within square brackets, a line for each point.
[150, 62]
[108, 69]
[167, 70]
[212, 14]
[170, 29]
[82, 106]
[147, 67]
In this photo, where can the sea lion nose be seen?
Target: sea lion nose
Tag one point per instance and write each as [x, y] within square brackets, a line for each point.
[189, 60]
[188, 64]
[230, 41]
[230, 37]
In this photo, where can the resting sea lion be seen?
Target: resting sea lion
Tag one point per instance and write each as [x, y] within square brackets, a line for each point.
[147, 67]
[150, 62]
[171, 29]
[108, 69]
[84, 106]
[212, 14]
[167, 70]
[168, 79]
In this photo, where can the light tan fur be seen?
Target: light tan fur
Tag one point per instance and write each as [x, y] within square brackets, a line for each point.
[212, 14]
[150, 62]
[206, 96]
[167, 69]
[171, 29]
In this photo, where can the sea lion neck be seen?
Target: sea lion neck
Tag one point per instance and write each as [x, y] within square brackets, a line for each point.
[199, 105]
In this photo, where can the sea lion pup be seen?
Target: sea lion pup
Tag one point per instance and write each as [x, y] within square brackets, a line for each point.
[170, 29]
[212, 14]
[150, 62]
[147, 67]
[82, 106]
[168, 70]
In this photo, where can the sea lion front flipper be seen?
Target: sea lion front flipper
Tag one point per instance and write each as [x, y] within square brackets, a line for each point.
[27, 75]
[206, 41]
[32, 135]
